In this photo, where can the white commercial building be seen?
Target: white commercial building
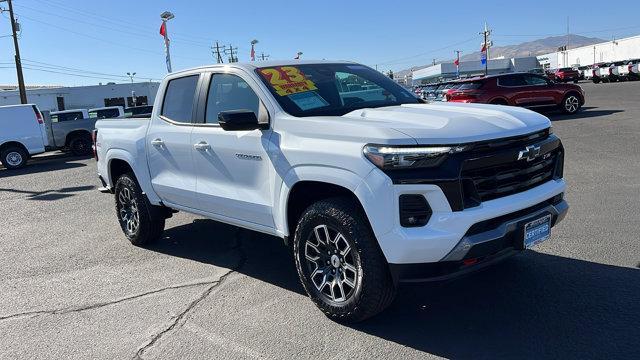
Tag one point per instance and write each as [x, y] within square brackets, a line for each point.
[609, 51]
[447, 70]
[85, 97]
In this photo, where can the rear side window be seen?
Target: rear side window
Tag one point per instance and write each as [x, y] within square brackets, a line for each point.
[511, 80]
[71, 116]
[471, 85]
[178, 99]
[104, 114]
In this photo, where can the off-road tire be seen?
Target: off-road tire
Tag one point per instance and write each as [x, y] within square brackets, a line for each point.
[13, 157]
[151, 219]
[374, 289]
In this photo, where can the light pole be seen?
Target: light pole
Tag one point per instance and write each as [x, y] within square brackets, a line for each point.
[298, 55]
[133, 93]
[166, 16]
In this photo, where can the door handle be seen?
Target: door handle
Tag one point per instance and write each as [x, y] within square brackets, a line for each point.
[157, 142]
[202, 145]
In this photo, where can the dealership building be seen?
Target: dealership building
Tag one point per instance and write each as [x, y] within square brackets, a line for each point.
[447, 70]
[609, 51]
[84, 97]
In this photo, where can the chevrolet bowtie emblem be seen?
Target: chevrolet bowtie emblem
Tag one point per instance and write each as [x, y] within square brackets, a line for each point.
[530, 153]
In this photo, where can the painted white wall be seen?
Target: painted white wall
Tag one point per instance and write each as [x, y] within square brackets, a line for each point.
[615, 50]
[81, 97]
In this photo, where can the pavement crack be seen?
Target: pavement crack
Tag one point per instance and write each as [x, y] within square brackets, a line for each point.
[179, 320]
[104, 303]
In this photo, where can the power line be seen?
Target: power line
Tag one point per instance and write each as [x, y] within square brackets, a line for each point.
[401, 60]
[59, 67]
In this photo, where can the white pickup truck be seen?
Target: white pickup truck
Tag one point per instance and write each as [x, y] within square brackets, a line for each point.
[370, 187]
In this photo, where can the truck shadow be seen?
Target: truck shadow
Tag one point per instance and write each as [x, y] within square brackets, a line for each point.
[531, 306]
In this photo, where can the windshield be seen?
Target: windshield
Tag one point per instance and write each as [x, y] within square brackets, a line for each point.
[331, 89]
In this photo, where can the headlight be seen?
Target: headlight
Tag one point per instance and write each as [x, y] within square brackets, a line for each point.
[399, 157]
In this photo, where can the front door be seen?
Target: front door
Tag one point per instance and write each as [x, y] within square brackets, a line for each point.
[235, 176]
[168, 144]
[537, 91]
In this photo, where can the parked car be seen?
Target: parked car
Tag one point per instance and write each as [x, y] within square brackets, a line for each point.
[602, 73]
[22, 134]
[614, 74]
[634, 69]
[70, 131]
[107, 112]
[429, 92]
[566, 75]
[521, 89]
[361, 184]
[69, 115]
[582, 72]
[138, 111]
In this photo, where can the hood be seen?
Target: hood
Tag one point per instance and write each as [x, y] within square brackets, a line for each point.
[451, 123]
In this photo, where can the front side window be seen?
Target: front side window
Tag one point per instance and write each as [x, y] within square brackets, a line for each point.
[534, 80]
[178, 99]
[331, 89]
[104, 114]
[229, 92]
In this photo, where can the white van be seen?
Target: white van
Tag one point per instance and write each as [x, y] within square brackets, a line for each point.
[22, 134]
[107, 112]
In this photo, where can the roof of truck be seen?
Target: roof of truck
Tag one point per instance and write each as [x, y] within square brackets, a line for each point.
[250, 66]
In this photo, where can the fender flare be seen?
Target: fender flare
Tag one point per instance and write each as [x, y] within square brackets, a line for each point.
[139, 170]
[325, 174]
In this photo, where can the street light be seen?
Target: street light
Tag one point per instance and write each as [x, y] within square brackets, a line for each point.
[133, 93]
[166, 16]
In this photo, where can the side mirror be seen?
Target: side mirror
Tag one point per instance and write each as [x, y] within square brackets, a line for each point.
[239, 120]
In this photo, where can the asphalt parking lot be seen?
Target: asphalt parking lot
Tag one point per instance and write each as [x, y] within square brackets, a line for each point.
[73, 287]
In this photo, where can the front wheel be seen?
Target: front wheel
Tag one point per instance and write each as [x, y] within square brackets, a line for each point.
[141, 222]
[339, 263]
[13, 157]
[571, 104]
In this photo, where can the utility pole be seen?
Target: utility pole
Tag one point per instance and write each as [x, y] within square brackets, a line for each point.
[166, 16]
[217, 53]
[486, 45]
[231, 52]
[264, 56]
[14, 27]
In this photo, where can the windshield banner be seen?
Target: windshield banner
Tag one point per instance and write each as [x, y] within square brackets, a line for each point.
[287, 80]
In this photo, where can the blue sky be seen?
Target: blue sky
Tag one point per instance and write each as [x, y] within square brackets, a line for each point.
[107, 39]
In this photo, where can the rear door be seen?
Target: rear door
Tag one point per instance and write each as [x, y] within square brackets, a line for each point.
[168, 143]
[513, 87]
[538, 91]
[235, 173]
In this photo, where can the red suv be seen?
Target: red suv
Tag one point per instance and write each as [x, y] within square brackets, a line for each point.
[566, 75]
[520, 89]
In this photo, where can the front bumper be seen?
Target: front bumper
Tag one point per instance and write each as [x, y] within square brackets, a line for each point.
[485, 243]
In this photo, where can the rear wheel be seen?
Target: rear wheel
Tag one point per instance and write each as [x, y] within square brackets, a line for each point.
[13, 157]
[571, 104]
[499, 102]
[339, 262]
[80, 145]
[141, 222]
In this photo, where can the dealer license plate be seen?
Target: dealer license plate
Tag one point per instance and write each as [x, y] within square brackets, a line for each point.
[537, 231]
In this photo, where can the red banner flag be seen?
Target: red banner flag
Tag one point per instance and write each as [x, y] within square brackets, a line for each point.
[163, 29]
